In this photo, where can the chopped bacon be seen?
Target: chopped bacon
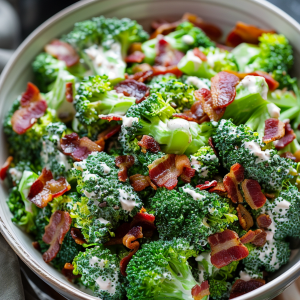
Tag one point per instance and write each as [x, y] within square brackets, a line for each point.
[142, 76]
[77, 236]
[163, 27]
[63, 51]
[4, 168]
[130, 241]
[149, 143]
[242, 287]
[44, 189]
[223, 89]
[137, 46]
[244, 33]
[253, 194]
[124, 162]
[135, 57]
[187, 174]
[67, 271]
[55, 232]
[274, 130]
[211, 143]
[199, 54]
[287, 139]
[31, 94]
[200, 291]
[245, 218]
[248, 237]
[69, 92]
[133, 88]
[78, 148]
[120, 232]
[36, 245]
[145, 220]
[108, 133]
[270, 195]
[260, 238]
[219, 189]
[289, 155]
[263, 221]
[161, 70]
[144, 67]
[207, 185]
[140, 182]
[237, 170]
[226, 248]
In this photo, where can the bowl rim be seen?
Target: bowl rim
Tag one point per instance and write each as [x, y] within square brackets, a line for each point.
[284, 279]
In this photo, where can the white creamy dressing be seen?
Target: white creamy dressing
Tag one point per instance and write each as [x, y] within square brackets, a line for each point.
[188, 39]
[273, 110]
[103, 221]
[282, 207]
[204, 256]
[197, 82]
[87, 176]
[106, 285]
[190, 56]
[180, 124]
[89, 195]
[128, 121]
[245, 276]
[80, 165]
[204, 172]
[62, 159]
[16, 174]
[127, 201]
[195, 163]
[192, 193]
[95, 262]
[254, 87]
[106, 168]
[255, 149]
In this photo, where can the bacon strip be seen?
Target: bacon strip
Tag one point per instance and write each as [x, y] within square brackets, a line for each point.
[5, 167]
[226, 248]
[274, 130]
[223, 89]
[248, 237]
[204, 96]
[135, 57]
[55, 232]
[289, 155]
[140, 182]
[69, 92]
[149, 143]
[263, 221]
[287, 138]
[146, 221]
[78, 236]
[110, 118]
[67, 271]
[63, 51]
[211, 143]
[106, 134]
[78, 148]
[195, 114]
[257, 237]
[219, 189]
[244, 33]
[242, 287]
[207, 185]
[200, 291]
[133, 88]
[124, 162]
[187, 174]
[130, 241]
[253, 194]
[245, 218]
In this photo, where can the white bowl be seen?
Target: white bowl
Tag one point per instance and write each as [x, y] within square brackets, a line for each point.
[18, 72]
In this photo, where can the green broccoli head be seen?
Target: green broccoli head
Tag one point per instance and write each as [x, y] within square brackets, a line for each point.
[159, 270]
[191, 214]
[100, 271]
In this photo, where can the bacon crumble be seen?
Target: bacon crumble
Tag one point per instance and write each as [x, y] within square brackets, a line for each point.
[219, 189]
[289, 155]
[207, 185]
[124, 162]
[69, 92]
[263, 221]
[67, 271]
[253, 194]
[288, 137]
[140, 182]
[135, 57]
[245, 218]
[5, 167]
[242, 287]
[274, 130]
[149, 143]
[200, 291]
[77, 236]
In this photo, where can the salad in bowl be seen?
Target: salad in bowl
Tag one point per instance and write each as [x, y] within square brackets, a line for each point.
[161, 166]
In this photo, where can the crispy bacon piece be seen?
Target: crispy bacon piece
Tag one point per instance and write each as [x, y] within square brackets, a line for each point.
[258, 237]
[242, 287]
[163, 27]
[199, 54]
[77, 236]
[245, 218]
[161, 70]
[149, 143]
[130, 241]
[45, 188]
[78, 148]
[55, 232]
[124, 162]
[69, 92]
[110, 118]
[237, 170]
[133, 88]
[253, 194]
[145, 220]
[67, 271]
[135, 57]
[5, 167]
[63, 51]
[219, 189]
[248, 237]
[226, 248]
[137, 46]
[274, 130]
[187, 174]
[232, 188]
[223, 89]
[207, 185]
[36, 245]
[287, 138]
[244, 33]
[289, 155]
[263, 221]
[200, 291]
[120, 232]
[270, 195]
[144, 67]
[106, 134]
[211, 143]
[140, 182]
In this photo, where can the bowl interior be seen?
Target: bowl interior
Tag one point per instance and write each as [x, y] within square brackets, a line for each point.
[18, 73]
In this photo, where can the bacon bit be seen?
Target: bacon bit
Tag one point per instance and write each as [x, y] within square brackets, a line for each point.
[163, 27]
[270, 195]
[135, 57]
[149, 143]
[161, 70]
[223, 89]
[133, 88]
[211, 143]
[244, 33]
[142, 76]
[219, 189]
[77, 236]
[67, 271]
[55, 232]
[207, 185]
[288, 155]
[204, 96]
[63, 51]
[137, 46]
[260, 238]
[106, 134]
[78, 148]
[124, 162]
[36, 245]
[141, 68]
[253, 194]
[130, 241]
[199, 54]
[187, 174]
[237, 171]
[263, 221]
[146, 221]
[31, 94]
[120, 232]
[232, 188]
[248, 237]
[226, 248]
[245, 218]
[110, 118]
[274, 130]
[242, 287]
[140, 182]
[200, 291]
[69, 92]
[287, 139]
[4, 168]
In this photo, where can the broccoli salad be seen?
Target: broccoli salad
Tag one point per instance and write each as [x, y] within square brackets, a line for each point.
[159, 165]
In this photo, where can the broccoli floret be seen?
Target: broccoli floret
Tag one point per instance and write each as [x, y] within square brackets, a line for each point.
[219, 289]
[191, 214]
[239, 144]
[100, 271]
[205, 162]
[161, 79]
[270, 257]
[159, 270]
